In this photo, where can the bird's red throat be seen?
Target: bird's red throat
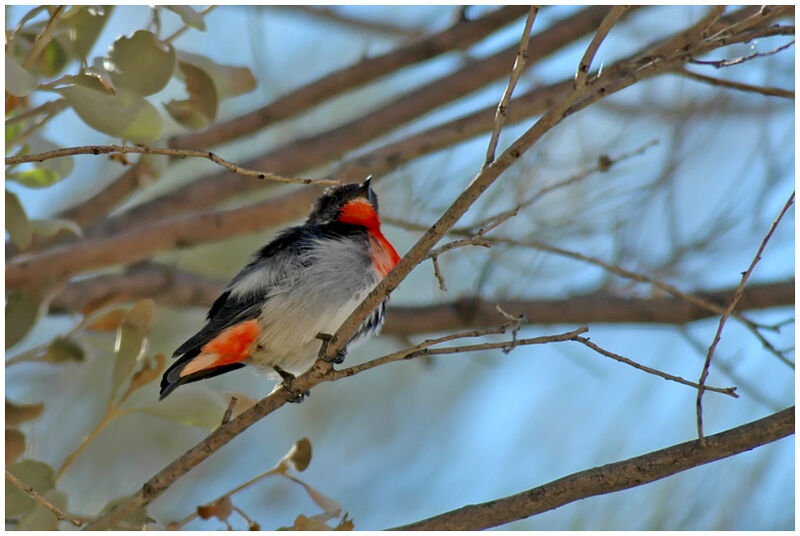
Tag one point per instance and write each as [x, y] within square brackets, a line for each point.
[361, 212]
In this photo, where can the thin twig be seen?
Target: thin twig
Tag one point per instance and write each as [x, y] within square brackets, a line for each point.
[736, 297]
[614, 269]
[183, 29]
[55, 105]
[516, 71]
[586, 61]
[30, 492]
[43, 38]
[719, 64]
[229, 411]
[423, 349]
[730, 391]
[25, 18]
[437, 272]
[763, 90]
[122, 149]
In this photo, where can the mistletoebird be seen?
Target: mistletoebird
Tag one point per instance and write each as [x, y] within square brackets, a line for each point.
[306, 281]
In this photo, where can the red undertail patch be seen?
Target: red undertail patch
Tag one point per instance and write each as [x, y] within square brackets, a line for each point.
[234, 344]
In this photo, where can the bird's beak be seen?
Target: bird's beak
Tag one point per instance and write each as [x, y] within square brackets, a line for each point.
[366, 187]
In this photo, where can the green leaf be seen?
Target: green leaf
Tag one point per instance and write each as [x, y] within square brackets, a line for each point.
[200, 108]
[13, 130]
[19, 81]
[125, 115]
[84, 24]
[37, 475]
[98, 77]
[63, 350]
[48, 228]
[141, 63]
[189, 16]
[17, 225]
[131, 336]
[22, 311]
[40, 518]
[199, 407]
[37, 177]
[230, 81]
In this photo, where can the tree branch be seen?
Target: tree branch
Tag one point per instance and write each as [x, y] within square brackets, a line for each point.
[329, 15]
[612, 477]
[516, 71]
[181, 153]
[719, 82]
[736, 297]
[178, 288]
[588, 56]
[321, 371]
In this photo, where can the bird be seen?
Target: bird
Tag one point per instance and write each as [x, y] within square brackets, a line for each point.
[305, 282]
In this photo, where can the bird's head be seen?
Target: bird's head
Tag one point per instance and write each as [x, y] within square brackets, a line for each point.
[356, 204]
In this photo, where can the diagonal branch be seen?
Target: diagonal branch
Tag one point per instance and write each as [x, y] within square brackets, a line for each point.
[763, 90]
[519, 65]
[736, 297]
[588, 56]
[613, 477]
[373, 26]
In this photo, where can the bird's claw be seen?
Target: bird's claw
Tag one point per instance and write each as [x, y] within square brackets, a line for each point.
[295, 397]
[323, 351]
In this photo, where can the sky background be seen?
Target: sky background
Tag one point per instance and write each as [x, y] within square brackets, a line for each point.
[413, 439]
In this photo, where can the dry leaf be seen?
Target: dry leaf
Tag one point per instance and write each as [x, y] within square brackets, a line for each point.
[300, 455]
[345, 524]
[221, 509]
[302, 522]
[19, 413]
[15, 445]
[109, 321]
[149, 371]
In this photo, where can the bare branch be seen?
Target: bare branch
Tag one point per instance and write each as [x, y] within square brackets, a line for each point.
[731, 391]
[182, 153]
[736, 297]
[727, 63]
[719, 82]
[502, 106]
[178, 288]
[613, 477]
[588, 56]
[423, 349]
[30, 492]
[328, 14]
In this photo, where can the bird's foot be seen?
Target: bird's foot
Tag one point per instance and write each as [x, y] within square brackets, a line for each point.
[295, 397]
[323, 351]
